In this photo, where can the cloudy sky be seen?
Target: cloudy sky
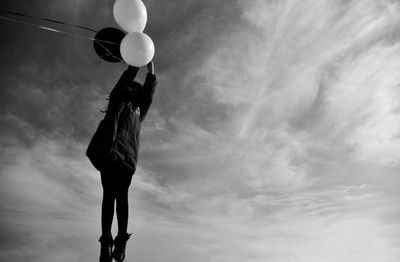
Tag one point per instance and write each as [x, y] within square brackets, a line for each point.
[273, 136]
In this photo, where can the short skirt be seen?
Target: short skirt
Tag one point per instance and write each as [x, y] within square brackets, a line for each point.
[116, 178]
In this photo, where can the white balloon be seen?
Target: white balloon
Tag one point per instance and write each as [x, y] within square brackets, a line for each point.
[130, 15]
[137, 49]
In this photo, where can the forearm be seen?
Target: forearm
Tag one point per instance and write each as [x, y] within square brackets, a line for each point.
[126, 78]
[147, 94]
[128, 75]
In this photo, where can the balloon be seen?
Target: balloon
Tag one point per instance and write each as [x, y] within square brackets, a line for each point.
[107, 43]
[137, 49]
[130, 15]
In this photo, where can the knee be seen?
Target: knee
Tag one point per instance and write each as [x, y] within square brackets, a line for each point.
[109, 194]
[122, 195]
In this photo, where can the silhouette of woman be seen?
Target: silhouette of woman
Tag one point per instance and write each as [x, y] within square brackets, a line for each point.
[128, 105]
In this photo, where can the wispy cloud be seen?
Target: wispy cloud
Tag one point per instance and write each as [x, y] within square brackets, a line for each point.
[273, 136]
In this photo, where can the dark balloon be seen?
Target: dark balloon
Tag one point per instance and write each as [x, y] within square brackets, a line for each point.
[107, 43]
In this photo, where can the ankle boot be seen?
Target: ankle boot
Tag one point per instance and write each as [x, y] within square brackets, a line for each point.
[120, 245]
[106, 248]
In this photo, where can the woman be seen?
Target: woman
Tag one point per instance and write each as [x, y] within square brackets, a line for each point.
[113, 150]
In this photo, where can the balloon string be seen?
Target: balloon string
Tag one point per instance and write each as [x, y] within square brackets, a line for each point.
[109, 53]
[45, 28]
[49, 28]
[67, 34]
[48, 20]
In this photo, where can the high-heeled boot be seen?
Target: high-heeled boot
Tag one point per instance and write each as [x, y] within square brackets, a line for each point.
[106, 248]
[120, 245]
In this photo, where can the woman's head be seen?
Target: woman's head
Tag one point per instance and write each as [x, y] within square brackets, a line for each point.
[135, 88]
[133, 92]
[135, 84]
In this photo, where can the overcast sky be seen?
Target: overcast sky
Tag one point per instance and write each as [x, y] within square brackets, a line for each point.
[274, 134]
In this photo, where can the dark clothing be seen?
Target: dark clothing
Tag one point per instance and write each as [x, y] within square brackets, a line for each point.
[126, 90]
[116, 140]
[115, 180]
[115, 184]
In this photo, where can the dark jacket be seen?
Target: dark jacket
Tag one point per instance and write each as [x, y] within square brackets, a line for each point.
[116, 140]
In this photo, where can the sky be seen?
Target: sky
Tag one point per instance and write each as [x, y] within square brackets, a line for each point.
[274, 133]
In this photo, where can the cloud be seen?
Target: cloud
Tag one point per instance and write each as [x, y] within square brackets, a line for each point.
[295, 98]
[272, 134]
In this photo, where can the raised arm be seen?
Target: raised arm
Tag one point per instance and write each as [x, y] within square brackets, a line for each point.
[147, 93]
[126, 78]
